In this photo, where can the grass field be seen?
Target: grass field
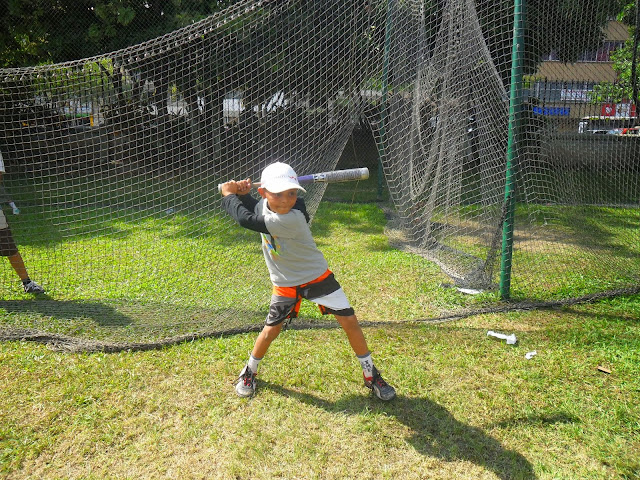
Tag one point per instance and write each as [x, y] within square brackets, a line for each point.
[469, 406]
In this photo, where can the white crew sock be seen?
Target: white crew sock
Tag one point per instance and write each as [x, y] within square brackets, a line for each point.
[253, 363]
[367, 365]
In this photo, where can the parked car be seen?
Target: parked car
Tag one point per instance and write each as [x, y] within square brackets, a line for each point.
[632, 131]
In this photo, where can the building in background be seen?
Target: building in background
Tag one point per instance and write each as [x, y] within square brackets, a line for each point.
[561, 90]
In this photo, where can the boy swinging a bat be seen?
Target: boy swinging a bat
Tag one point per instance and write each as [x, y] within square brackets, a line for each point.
[297, 269]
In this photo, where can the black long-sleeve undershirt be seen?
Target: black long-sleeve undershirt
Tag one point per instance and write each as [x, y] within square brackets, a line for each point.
[242, 207]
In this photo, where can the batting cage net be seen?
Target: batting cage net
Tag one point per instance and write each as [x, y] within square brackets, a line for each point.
[505, 134]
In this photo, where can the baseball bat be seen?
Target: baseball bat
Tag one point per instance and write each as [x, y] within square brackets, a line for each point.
[333, 176]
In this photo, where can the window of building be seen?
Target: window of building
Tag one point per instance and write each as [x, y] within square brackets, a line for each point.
[602, 54]
[560, 92]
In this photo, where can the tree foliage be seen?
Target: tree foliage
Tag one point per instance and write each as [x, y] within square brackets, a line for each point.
[45, 31]
[623, 64]
[560, 26]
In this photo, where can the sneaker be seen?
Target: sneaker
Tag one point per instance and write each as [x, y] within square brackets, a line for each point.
[380, 388]
[246, 383]
[32, 287]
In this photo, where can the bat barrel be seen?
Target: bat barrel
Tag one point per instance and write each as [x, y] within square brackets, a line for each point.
[336, 176]
[333, 176]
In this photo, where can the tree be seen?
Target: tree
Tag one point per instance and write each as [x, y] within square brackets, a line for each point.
[45, 31]
[625, 61]
[565, 27]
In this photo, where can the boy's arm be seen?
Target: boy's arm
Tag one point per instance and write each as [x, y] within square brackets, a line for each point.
[236, 207]
[248, 201]
[300, 205]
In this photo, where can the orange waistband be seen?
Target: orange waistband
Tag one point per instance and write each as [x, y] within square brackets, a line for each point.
[292, 292]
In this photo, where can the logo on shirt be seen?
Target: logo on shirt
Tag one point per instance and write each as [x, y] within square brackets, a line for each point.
[270, 242]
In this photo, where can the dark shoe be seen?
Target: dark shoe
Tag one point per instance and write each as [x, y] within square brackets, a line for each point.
[380, 388]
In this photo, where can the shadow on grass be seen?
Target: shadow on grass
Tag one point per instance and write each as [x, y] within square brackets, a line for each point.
[541, 420]
[434, 431]
[93, 326]
[632, 314]
[99, 312]
[605, 230]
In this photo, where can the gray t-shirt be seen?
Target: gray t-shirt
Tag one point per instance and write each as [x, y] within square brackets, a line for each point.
[289, 250]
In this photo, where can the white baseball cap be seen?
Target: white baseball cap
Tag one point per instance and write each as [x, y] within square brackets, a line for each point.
[279, 177]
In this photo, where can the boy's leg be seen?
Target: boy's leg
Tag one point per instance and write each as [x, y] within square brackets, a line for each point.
[267, 335]
[284, 303]
[372, 378]
[246, 384]
[354, 333]
[329, 296]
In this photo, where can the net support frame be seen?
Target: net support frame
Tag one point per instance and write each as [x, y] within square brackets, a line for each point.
[515, 102]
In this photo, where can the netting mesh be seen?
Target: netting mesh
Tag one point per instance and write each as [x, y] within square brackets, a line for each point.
[118, 157]
[447, 145]
[454, 154]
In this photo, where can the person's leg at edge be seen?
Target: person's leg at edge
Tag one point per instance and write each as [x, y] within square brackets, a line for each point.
[18, 265]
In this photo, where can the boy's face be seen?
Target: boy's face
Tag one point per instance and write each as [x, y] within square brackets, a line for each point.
[280, 202]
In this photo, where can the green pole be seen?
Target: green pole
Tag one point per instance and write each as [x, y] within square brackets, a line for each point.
[383, 101]
[512, 143]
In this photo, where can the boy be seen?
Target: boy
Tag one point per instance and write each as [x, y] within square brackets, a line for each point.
[297, 269]
[8, 246]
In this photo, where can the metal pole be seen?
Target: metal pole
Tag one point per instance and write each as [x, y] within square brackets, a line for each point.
[515, 103]
[634, 61]
[385, 92]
